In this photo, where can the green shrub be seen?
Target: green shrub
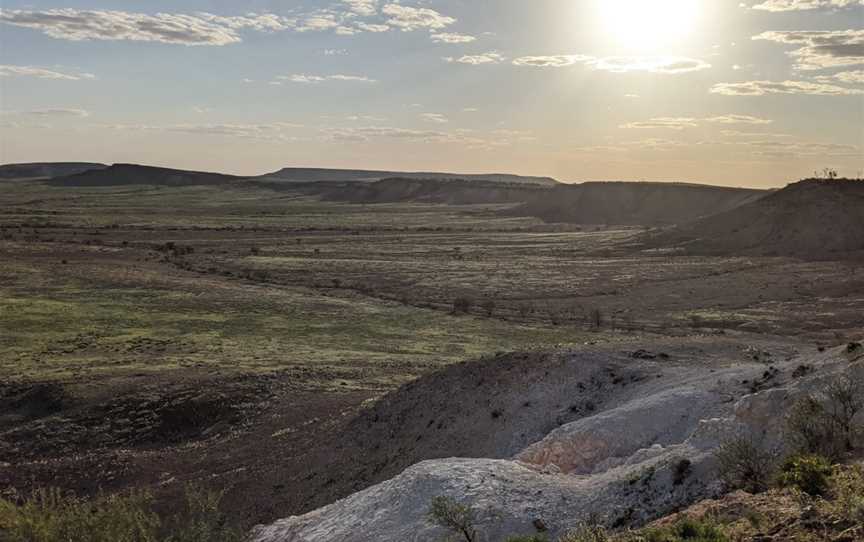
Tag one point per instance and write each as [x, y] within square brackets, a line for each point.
[743, 464]
[453, 516]
[587, 533]
[809, 473]
[847, 495]
[687, 529]
[51, 516]
[528, 538]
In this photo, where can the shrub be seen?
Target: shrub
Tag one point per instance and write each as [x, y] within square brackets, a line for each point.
[453, 516]
[847, 495]
[809, 473]
[51, 516]
[844, 400]
[489, 307]
[823, 424]
[587, 533]
[528, 538]
[688, 529]
[743, 464]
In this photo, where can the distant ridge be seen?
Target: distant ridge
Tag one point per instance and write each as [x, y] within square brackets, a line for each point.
[133, 174]
[813, 218]
[46, 169]
[443, 191]
[361, 175]
[633, 203]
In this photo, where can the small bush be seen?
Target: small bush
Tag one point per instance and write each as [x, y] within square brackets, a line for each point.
[743, 464]
[51, 516]
[453, 516]
[688, 529]
[528, 538]
[847, 495]
[587, 533]
[823, 424]
[809, 473]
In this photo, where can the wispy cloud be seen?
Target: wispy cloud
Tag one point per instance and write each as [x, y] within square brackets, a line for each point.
[475, 60]
[764, 88]
[51, 112]
[821, 49]
[680, 123]
[434, 117]
[617, 64]
[309, 79]
[42, 73]
[449, 37]
[803, 5]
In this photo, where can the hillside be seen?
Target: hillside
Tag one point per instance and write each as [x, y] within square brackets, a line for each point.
[46, 169]
[627, 203]
[813, 218]
[447, 191]
[133, 174]
[359, 175]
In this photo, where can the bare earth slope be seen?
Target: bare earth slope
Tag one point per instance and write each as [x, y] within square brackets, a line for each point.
[623, 463]
[626, 203]
[133, 174]
[46, 169]
[813, 218]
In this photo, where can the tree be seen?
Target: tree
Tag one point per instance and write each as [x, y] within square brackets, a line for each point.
[449, 514]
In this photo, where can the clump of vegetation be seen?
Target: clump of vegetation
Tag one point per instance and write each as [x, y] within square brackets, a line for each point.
[687, 529]
[823, 423]
[847, 495]
[528, 538]
[808, 473]
[453, 516]
[745, 464]
[587, 533]
[51, 516]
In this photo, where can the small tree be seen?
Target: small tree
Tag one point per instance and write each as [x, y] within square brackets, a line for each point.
[745, 464]
[844, 400]
[489, 307]
[449, 514]
[596, 318]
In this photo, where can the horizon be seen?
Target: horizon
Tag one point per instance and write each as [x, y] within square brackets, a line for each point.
[757, 94]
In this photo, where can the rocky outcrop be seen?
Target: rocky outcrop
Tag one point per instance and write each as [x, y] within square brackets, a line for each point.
[650, 452]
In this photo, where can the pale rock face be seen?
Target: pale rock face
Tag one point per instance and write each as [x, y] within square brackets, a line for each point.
[650, 454]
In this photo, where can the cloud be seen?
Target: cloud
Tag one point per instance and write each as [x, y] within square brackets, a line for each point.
[447, 37]
[200, 29]
[802, 5]
[850, 78]
[408, 18]
[307, 79]
[485, 58]
[763, 88]
[738, 119]
[364, 8]
[821, 49]
[52, 112]
[41, 73]
[269, 132]
[665, 65]
[550, 61]
[680, 123]
[617, 64]
[434, 117]
[671, 123]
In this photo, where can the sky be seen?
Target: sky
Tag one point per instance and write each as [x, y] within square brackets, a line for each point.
[739, 93]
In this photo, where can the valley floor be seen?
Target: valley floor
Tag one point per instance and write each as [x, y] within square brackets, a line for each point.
[155, 336]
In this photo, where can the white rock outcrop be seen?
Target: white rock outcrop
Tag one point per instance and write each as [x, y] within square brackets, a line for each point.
[640, 459]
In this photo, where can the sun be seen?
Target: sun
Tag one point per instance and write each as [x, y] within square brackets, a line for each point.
[648, 24]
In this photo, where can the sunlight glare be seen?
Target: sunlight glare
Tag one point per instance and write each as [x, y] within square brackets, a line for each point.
[648, 23]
